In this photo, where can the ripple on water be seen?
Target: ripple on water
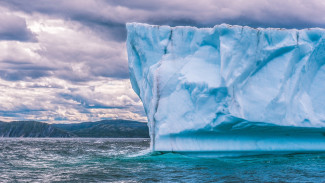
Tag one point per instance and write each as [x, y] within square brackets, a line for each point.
[129, 160]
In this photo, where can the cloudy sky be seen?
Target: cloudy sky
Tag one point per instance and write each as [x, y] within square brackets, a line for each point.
[66, 61]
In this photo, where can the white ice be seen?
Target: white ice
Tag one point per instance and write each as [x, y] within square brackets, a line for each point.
[267, 86]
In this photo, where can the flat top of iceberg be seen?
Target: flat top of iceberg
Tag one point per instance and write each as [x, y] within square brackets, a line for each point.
[222, 25]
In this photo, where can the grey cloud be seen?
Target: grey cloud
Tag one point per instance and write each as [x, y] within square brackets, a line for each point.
[14, 28]
[92, 69]
[15, 62]
[20, 111]
[16, 75]
[106, 28]
[12, 70]
[85, 12]
[87, 102]
[108, 17]
[112, 71]
[255, 13]
[29, 67]
[37, 85]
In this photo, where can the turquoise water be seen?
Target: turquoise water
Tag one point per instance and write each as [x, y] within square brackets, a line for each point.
[128, 160]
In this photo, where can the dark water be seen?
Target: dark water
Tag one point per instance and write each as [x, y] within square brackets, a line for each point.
[128, 160]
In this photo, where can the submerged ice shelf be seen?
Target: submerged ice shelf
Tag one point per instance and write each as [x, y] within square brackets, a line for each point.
[230, 88]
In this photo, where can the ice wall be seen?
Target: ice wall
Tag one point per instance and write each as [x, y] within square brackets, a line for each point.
[230, 88]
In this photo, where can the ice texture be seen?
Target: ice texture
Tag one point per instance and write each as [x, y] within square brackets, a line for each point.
[230, 88]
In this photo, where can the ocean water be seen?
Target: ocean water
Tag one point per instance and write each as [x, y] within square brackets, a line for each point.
[129, 160]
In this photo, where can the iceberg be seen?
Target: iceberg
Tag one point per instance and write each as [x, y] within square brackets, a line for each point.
[230, 88]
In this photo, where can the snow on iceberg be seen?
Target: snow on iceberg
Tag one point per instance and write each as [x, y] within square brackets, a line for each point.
[230, 88]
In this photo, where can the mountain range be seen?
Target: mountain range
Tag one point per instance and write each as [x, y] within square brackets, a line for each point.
[99, 129]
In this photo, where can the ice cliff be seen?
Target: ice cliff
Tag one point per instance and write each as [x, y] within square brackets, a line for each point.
[230, 88]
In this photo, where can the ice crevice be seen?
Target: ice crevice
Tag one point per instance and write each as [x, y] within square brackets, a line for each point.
[230, 88]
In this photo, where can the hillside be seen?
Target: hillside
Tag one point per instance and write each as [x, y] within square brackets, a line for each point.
[100, 129]
[107, 128]
[31, 129]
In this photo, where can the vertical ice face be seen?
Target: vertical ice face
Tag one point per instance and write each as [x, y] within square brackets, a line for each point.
[230, 87]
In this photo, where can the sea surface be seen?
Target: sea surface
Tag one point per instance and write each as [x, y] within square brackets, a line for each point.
[129, 160]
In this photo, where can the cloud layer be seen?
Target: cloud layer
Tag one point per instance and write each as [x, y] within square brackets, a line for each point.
[66, 60]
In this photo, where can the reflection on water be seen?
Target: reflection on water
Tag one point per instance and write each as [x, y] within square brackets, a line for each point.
[129, 160]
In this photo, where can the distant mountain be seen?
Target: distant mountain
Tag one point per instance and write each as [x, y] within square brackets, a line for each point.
[107, 128]
[31, 129]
